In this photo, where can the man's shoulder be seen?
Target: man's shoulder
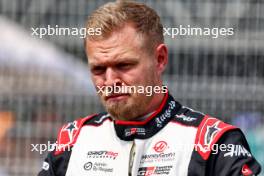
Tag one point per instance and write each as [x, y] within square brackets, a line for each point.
[192, 118]
[70, 131]
[208, 129]
[209, 132]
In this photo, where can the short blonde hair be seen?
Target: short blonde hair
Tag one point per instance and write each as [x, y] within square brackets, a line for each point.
[113, 16]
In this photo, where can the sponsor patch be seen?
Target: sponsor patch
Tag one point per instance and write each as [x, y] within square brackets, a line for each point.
[45, 166]
[157, 157]
[166, 115]
[102, 154]
[237, 150]
[133, 131]
[88, 166]
[185, 118]
[154, 170]
[99, 167]
[246, 171]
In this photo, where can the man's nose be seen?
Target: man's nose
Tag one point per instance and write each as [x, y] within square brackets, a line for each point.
[111, 77]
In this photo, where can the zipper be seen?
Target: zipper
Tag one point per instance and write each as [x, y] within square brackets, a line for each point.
[131, 159]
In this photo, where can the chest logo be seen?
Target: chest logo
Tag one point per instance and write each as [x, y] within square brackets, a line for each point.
[160, 146]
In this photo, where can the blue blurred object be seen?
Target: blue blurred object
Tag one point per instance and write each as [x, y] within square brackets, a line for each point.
[247, 120]
[250, 123]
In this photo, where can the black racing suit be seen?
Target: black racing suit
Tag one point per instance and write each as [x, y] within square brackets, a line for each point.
[173, 141]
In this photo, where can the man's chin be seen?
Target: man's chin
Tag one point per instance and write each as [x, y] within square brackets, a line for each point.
[126, 109]
[119, 110]
[114, 104]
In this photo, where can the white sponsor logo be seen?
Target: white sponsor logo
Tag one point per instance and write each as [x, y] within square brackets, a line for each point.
[138, 131]
[97, 167]
[237, 150]
[161, 157]
[160, 120]
[186, 118]
[45, 166]
[102, 118]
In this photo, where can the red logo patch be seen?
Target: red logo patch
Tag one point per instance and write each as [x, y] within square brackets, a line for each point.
[209, 131]
[133, 130]
[68, 134]
[160, 146]
[150, 171]
[246, 170]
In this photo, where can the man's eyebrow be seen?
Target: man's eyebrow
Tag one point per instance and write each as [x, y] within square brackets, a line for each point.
[126, 59]
[96, 65]
[115, 61]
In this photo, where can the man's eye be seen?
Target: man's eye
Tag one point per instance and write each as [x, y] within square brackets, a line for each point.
[124, 66]
[98, 70]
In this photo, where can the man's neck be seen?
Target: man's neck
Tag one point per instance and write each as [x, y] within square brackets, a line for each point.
[153, 105]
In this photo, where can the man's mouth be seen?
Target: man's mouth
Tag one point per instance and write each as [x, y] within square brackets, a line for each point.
[116, 97]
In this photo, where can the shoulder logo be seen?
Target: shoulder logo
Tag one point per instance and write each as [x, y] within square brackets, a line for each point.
[71, 128]
[211, 131]
[68, 134]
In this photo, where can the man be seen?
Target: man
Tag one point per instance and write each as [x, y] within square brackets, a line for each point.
[141, 134]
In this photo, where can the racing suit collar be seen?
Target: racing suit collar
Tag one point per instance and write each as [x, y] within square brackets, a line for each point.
[130, 130]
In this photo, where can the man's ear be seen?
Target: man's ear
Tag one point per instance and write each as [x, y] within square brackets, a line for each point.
[161, 56]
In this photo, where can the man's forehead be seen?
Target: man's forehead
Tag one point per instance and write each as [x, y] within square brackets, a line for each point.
[112, 60]
[107, 53]
[104, 51]
[127, 35]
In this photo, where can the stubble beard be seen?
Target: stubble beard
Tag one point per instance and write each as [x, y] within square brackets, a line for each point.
[135, 105]
[130, 108]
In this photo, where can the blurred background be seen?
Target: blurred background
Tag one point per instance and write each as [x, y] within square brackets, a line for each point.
[44, 82]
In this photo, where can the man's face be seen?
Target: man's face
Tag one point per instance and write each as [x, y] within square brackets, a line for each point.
[121, 60]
